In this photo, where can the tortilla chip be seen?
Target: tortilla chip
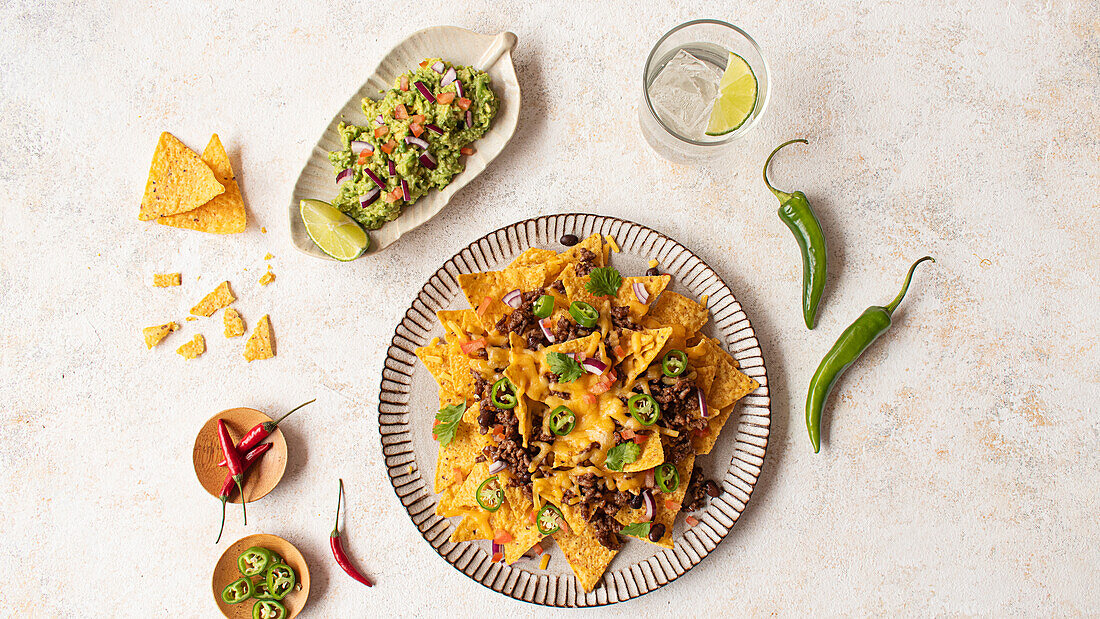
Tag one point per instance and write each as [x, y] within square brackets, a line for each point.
[219, 298]
[194, 348]
[153, 335]
[704, 379]
[463, 383]
[460, 325]
[653, 453]
[488, 288]
[524, 532]
[676, 309]
[532, 256]
[261, 344]
[593, 243]
[234, 325]
[225, 213]
[164, 280]
[587, 557]
[179, 181]
[730, 385]
[267, 278]
[704, 443]
[641, 348]
[665, 515]
[435, 358]
[457, 458]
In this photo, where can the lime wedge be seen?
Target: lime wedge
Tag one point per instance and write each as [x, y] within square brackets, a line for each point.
[335, 233]
[736, 97]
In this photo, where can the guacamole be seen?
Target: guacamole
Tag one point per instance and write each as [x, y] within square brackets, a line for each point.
[413, 141]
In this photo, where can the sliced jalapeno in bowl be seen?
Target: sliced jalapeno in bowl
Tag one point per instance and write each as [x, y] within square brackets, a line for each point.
[255, 561]
[504, 394]
[644, 408]
[269, 609]
[237, 591]
[549, 519]
[667, 477]
[281, 580]
[490, 496]
[562, 420]
[585, 315]
[675, 363]
[260, 590]
[544, 306]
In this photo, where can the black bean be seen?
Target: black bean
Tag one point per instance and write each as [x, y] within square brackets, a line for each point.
[652, 271]
[636, 501]
[656, 532]
[712, 488]
[569, 240]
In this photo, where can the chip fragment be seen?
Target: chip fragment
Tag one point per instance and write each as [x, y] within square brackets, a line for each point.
[217, 299]
[261, 344]
[164, 280]
[179, 181]
[194, 348]
[153, 335]
[267, 278]
[234, 324]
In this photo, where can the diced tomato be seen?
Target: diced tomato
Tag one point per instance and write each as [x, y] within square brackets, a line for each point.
[416, 129]
[502, 537]
[610, 375]
[650, 479]
[388, 197]
[399, 112]
[498, 557]
[498, 430]
[641, 438]
[589, 399]
[484, 307]
[389, 146]
[538, 549]
[445, 97]
[405, 83]
[469, 348]
[363, 158]
[459, 474]
[599, 388]
[564, 526]
[619, 352]
[531, 519]
[466, 150]
[691, 521]
[417, 118]
[464, 103]
[424, 63]
[381, 131]
[397, 194]
[671, 505]
[627, 434]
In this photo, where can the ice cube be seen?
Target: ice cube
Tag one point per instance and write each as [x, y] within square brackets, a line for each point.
[683, 93]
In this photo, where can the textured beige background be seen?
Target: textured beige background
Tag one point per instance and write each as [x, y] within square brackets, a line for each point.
[960, 471]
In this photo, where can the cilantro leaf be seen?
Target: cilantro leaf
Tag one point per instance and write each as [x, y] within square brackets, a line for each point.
[637, 529]
[604, 281]
[446, 423]
[621, 455]
[567, 369]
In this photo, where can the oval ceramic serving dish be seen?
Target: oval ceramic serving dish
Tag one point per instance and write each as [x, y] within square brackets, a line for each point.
[490, 53]
[408, 399]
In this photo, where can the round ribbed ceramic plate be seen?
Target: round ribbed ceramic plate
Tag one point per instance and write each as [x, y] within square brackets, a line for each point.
[409, 399]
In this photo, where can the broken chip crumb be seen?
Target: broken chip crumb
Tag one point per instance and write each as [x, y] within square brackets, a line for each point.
[267, 278]
[263, 229]
[219, 298]
[190, 318]
[153, 335]
[653, 263]
[234, 325]
[194, 348]
[261, 344]
[164, 280]
[268, 256]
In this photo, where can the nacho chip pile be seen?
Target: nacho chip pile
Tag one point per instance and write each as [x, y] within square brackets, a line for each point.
[551, 428]
[188, 191]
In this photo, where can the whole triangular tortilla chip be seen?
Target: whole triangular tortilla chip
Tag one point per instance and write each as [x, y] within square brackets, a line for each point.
[261, 344]
[676, 309]
[485, 290]
[225, 213]
[653, 453]
[179, 181]
[587, 557]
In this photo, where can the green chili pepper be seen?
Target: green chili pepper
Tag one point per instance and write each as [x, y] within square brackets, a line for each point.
[544, 306]
[489, 495]
[667, 477]
[873, 322]
[237, 591]
[549, 519]
[503, 395]
[585, 315]
[644, 408]
[254, 561]
[281, 580]
[268, 609]
[796, 212]
[260, 590]
[675, 363]
[562, 420]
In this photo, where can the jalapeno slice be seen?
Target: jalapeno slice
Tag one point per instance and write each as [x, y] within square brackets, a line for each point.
[549, 519]
[544, 306]
[585, 315]
[675, 363]
[490, 496]
[667, 477]
[504, 394]
[644, 408]
[268, 609]
[281, 580]
[237, 591]
[255, 561]
[260, 590]
[562, 420]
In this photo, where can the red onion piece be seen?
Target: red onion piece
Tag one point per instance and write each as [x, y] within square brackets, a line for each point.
[434, 128]
[512, 299]
[650, 505]
[378, 120]
[358, 146]
[424, 91]
[458, 89]
[427, 160]
[496, 467]
[374, 177]
[368, 198]
[650, 479]
[421, 142]
[571, 355]
[702, 402]
[448, 77]
[546, 330]
[343, 176]
[405, 190]
[437, 66]
[391, 167]
[594, 366]
[641, 293]
[498, 548]
[469, 118]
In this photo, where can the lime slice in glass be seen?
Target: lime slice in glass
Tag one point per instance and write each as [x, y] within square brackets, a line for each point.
[736, 97]
[335, 233]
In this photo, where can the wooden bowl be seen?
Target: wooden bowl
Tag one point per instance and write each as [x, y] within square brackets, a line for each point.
[226, 572]
[261, 478]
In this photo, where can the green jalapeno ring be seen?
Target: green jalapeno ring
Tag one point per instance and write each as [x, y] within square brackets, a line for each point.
[269, 609]
[552, 517]
[585, 315]
[675, 363]
[260, 590]
[506, 400]
[255, 561]
[644, 408]
[490, 498]
[667, 477]
[237, 591]
[543, 307]
[562, 420]
[281, 580]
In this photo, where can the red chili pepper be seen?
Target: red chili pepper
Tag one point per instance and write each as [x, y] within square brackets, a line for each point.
[261, 431]
[338, 545]
[227, 487]
[236, 466]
